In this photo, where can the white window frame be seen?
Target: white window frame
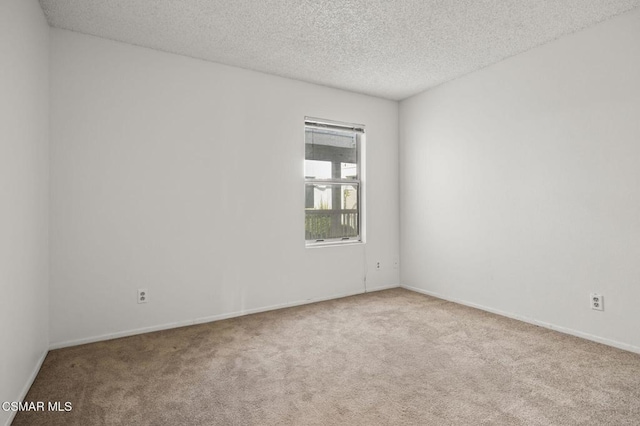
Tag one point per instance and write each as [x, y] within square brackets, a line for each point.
[359, 132]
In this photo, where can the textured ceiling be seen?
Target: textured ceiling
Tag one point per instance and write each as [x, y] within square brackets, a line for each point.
[391, 49]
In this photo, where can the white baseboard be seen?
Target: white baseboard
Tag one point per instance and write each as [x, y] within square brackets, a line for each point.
[212, 318]
[27, 385]
[565, 330]
[384, 287]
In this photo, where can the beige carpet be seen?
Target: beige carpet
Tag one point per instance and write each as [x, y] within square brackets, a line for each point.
[392, 357]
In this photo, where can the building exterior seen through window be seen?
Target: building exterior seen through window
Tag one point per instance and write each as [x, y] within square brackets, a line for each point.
[333, 184]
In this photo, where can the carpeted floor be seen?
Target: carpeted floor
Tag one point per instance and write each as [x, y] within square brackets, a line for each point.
[392, 357]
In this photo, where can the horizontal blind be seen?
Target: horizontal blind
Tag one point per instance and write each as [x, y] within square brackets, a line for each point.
[309, 122]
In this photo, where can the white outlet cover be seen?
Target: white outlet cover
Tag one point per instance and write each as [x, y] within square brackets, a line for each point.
[143, 295]
[597, 301]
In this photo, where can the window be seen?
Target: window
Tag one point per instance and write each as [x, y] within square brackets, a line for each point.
[333, 186]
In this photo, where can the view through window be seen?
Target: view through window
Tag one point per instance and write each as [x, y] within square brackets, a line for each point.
[332, 182]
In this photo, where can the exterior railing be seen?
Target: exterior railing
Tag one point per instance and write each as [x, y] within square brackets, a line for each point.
[328, 224]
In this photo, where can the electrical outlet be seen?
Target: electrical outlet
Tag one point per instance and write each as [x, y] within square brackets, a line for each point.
[378, 266]
[597, 301]
[143, 295]
[396, 262]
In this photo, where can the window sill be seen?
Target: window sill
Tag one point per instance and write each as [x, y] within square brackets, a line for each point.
[333, 243]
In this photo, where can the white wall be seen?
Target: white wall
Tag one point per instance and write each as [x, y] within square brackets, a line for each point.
[520, 184]
[24, 195]
[185, 177]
